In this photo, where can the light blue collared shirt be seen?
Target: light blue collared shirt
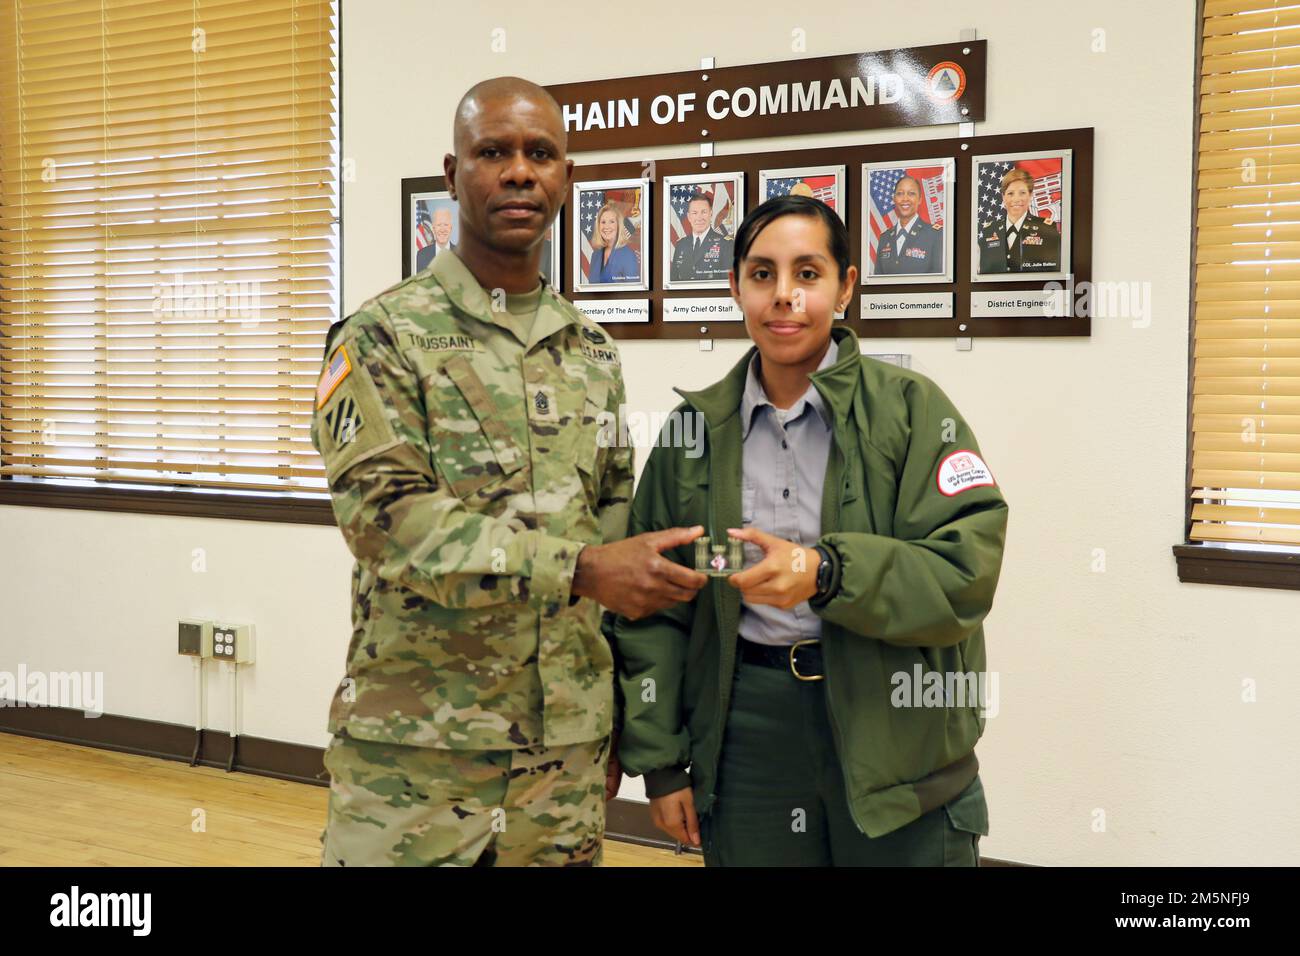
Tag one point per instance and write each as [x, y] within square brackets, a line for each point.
[784, 469]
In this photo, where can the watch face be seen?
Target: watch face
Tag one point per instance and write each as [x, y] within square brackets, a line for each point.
[823, 571]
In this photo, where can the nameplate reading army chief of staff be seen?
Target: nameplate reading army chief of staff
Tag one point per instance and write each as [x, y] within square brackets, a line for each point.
[460, 416]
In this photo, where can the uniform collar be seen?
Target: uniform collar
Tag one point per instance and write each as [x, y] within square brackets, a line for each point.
[755, 397]
[464, 291]
[837, 383]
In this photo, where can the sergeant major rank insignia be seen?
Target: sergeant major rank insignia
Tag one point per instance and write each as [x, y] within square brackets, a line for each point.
[543, 402]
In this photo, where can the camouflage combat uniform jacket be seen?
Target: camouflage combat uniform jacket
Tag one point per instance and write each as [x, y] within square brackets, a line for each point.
[466, 474]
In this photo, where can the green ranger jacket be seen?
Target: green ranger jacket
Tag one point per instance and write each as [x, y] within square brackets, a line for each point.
[467, 469]
[915, 526]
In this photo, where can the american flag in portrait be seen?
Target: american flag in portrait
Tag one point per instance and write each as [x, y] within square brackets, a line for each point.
[823, 188]
[724, 204]
[881, 184]
[423, 224]
[1044, 199]
[590, 204]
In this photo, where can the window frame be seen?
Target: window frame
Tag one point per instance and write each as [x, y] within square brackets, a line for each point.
[1209, 563]
[286, 507]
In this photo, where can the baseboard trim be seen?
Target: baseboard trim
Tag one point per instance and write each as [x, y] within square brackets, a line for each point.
[627, 821]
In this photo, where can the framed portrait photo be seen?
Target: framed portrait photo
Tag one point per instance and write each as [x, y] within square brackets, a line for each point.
[550, 264]
[701, 215]
[611, 235]
[1020, 216]
[907, 225]
[435, 227]
[816, 182]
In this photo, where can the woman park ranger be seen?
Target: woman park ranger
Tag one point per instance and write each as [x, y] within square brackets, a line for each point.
[820, 707]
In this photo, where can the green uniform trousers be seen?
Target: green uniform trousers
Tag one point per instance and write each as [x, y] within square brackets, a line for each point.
[781, 798]
[394, 805]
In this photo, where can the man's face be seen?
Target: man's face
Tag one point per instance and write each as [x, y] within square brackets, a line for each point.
[697, 213]
[509, 174]
[907, 197]
[1016, 199]
[442, 226]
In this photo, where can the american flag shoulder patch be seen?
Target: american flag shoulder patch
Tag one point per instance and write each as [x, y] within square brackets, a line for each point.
[333, 375]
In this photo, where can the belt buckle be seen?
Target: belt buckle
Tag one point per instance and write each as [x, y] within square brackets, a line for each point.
[794, 648]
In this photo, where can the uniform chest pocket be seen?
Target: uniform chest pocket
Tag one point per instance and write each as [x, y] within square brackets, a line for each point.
[748, 500]
[596, 433]
[471, 443]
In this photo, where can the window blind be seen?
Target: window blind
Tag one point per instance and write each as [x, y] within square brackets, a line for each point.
[168, 238]
[1245, 455]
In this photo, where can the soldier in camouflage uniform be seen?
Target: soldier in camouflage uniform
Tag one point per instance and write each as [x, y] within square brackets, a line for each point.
[467, 442]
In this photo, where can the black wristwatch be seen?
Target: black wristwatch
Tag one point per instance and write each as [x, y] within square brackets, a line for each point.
[824, 573]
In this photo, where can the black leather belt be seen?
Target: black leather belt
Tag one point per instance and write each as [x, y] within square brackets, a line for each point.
[803, 659]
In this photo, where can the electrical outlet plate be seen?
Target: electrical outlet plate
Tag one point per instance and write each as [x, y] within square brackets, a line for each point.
[232, 643]
[194, 638]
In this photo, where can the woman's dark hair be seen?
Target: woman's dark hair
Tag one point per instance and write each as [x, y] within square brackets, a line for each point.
[761, 216]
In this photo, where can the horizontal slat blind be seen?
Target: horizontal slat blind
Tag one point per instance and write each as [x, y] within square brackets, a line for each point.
[168, 238]
[1246, 349]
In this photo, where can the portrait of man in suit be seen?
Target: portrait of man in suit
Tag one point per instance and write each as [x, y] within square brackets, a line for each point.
[442, 227]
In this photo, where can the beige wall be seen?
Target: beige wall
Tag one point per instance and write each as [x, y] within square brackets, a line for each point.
[1120, 691]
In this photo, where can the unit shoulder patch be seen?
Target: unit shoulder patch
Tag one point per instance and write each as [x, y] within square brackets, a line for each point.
[353, 426]
[961, 471]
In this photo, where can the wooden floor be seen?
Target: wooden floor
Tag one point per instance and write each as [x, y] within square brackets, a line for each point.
[64, 805]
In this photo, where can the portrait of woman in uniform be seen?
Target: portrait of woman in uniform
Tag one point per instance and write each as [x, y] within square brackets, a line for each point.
[1021, 207]
[610, 235]
[907, 221]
